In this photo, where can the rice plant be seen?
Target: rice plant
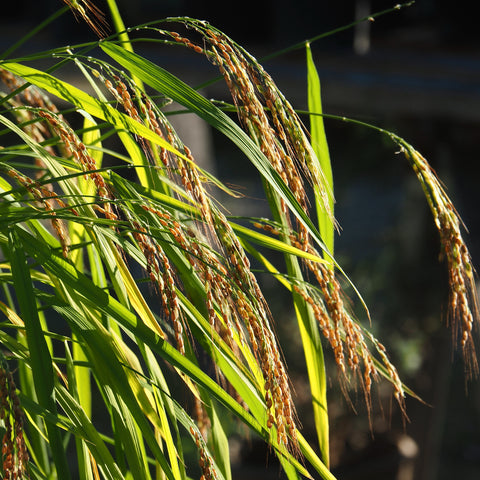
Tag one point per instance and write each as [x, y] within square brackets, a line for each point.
[134, 328]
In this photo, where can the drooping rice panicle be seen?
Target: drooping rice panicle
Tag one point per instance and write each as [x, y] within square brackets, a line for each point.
[159, 270]
[205, 461]
[267, 116]
[238, 311]
[30, 97]
[46, 197]
[90, 14]
[463, 302]
[201, 417]
[254, 312]
[154, 122]
[79, 151]
[14, 450]
[345, 335]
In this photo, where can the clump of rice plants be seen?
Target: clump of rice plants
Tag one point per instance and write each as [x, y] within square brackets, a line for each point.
[132, 319]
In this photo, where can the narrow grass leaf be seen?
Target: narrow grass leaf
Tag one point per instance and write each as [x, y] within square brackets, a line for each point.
[320, 147]
[311, 343]
[273, 243]
[86, 430]
[220, 443]
[41, 361]
[83, 100]
[165, 410]
[83, 455]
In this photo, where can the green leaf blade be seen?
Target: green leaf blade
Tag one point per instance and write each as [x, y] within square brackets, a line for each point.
[320, 147]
